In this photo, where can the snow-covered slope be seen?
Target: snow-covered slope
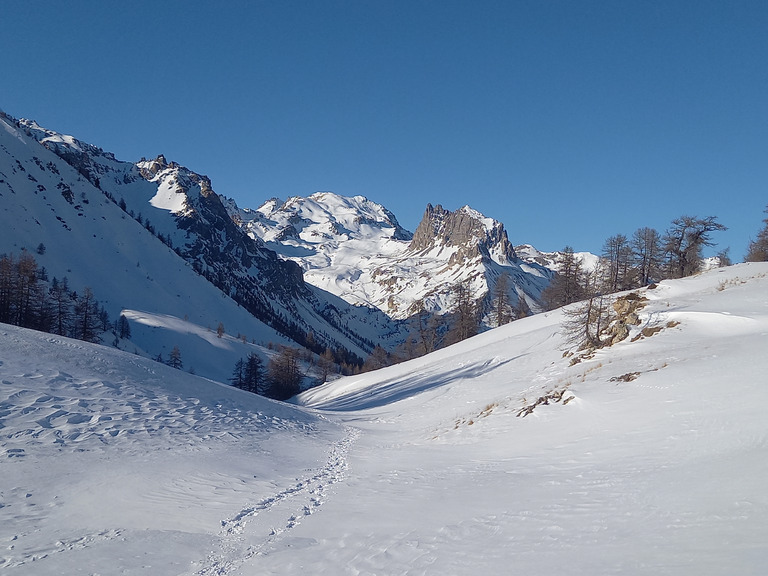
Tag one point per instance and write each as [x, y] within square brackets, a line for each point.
[89, 240]
[153, 237]
[356, 249]
[493, 456]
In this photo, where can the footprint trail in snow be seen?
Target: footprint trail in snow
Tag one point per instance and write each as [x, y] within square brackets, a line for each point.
[259, 528]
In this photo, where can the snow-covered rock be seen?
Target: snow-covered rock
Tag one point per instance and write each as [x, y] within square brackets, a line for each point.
[154, 237]
[356, 249]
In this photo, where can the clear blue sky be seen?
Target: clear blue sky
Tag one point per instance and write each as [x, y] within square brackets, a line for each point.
[569, 121]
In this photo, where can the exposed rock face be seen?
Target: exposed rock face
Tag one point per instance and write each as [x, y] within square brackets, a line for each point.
[355, 248]
[466, 229]
[181, 209]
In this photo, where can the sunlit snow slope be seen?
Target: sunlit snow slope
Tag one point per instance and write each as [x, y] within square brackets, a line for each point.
[649, 458]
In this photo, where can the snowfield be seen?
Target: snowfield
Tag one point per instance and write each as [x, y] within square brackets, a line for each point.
[493, 456]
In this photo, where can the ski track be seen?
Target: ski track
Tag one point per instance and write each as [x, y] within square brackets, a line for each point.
[256, 528]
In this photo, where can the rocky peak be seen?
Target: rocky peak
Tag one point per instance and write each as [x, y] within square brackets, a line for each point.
[467, 229]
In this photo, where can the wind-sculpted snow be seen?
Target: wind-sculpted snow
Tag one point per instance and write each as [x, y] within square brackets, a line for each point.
[499, 455]
[102, 452]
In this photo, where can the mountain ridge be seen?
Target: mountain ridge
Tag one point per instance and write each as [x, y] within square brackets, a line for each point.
[377, 263]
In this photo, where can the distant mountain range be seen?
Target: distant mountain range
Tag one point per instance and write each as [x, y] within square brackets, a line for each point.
[356, 249]
[154, 242]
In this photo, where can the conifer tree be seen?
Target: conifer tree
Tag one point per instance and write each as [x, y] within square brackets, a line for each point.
[174, 359]
[123, 327]
[253, 374]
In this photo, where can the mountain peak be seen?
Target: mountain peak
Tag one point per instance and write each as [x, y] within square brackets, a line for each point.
[466, 228]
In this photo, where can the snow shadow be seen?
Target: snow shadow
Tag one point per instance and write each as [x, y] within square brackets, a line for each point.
[405, 386]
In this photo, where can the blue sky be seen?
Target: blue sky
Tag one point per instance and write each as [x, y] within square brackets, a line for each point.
[568, 121]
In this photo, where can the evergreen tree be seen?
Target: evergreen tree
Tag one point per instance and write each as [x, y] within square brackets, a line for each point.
[174, 359]
[253, 374]
[238, 374]
[123, 328]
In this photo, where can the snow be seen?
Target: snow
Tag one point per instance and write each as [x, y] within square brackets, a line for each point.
[114, 464]
[354, 248]
[169, 197]
[11, 130]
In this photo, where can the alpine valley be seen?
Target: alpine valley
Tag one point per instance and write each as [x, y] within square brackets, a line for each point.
[190, 269]
[514, 451]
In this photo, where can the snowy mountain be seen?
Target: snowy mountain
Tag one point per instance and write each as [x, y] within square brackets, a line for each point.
[550, 260]
[154, 241]
[356, 249]
[496, 455]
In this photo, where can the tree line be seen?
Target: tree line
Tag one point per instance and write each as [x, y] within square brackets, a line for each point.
[29, 300]
[594, 321]
[628, 263]
[281, 378]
